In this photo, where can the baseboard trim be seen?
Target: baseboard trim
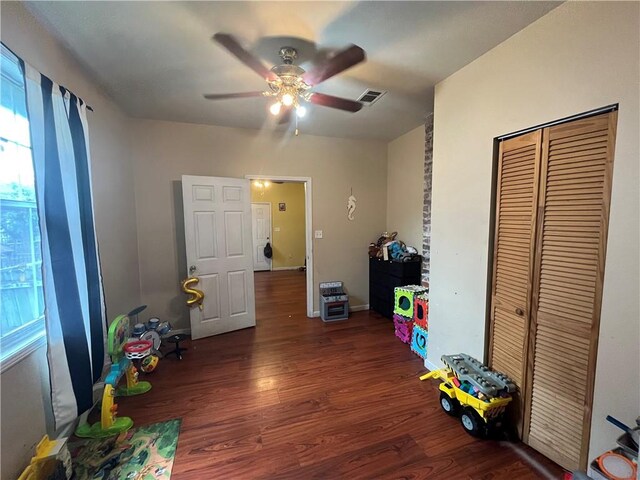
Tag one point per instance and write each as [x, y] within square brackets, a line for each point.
[179, 331]
[359, 308]
[430, 366]
[355, 308]
[316, 313]
[277, 269]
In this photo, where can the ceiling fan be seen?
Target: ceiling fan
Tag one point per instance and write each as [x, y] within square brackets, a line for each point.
[290, 84]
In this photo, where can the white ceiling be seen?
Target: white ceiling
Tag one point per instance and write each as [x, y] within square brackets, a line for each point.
[156, 59]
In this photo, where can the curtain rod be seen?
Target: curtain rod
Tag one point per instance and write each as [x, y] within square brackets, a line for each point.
[21, 65]
[89, 107]
[590, 113]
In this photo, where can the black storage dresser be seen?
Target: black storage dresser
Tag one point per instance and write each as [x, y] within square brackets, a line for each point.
[385, 276]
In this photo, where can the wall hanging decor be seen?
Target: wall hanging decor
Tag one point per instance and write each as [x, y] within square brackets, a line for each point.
[351, 206]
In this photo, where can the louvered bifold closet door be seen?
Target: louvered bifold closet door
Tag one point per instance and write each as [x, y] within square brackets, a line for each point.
[516, 198]
[573, 215]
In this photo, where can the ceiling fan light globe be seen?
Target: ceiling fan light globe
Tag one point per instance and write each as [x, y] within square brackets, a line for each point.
[301, 111]
[287, 99]
[275, 108]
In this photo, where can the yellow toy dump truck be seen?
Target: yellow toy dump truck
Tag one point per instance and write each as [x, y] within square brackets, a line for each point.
[473, 391]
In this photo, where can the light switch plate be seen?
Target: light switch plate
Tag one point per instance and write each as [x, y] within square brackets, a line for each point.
[276, 229]
[318, 234]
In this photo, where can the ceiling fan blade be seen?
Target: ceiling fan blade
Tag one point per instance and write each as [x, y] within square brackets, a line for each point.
[335, 102]
[224, 96]
[285, 116]
[340, 62]
[231, 44]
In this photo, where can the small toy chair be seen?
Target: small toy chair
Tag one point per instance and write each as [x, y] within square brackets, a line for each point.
[177, 350]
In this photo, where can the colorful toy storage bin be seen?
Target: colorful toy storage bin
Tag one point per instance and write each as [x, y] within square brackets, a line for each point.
[404, 299]
[421, 311]
[403, 328]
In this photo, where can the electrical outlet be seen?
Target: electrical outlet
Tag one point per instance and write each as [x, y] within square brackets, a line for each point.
[276, 229]
[318, 234]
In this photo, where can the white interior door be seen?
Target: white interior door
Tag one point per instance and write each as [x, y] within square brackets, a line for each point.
[261, 228]
[217, 224]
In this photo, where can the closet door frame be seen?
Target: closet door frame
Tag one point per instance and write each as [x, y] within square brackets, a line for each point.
[595, 324]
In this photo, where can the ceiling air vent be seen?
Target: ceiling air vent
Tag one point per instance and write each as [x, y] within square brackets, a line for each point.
[370, 97]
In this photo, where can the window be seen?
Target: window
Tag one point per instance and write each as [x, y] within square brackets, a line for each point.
[21, 299]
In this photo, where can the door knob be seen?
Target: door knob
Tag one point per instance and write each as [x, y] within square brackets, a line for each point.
[192, 269]
[519, 311]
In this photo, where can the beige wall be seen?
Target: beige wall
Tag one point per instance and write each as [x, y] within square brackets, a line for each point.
[164, 151]
[25, 411]
[109, 138]
[288, 235]
[405, 186]
[580, 56]
[24, 397]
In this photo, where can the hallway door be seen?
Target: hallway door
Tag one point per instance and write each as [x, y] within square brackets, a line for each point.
[261, 228]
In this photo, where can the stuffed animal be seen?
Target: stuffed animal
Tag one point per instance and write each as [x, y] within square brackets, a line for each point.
[396, 249]
[375, 249]
[386, 238]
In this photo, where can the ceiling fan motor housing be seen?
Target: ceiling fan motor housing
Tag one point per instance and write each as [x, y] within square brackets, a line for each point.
[285, 72]
[288, 55]
[288, 73]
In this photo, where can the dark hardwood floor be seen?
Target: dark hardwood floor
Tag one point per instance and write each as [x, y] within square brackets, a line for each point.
[300, 399]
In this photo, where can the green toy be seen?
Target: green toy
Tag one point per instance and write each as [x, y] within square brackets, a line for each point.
[404, 299]
[122, 352]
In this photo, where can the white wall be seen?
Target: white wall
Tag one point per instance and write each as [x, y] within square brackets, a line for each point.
[24, 397]
[580, 56]
[405, 186]
[164, 151]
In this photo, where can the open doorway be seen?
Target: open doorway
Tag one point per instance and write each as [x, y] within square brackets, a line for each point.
[281, 216]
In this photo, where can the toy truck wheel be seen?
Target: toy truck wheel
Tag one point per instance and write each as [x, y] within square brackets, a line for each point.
[472, 423]
[448, 404]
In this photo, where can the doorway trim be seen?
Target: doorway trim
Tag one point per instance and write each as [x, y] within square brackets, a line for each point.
[308, 221]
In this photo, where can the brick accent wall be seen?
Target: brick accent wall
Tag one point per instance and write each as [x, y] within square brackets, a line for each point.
[426, 208]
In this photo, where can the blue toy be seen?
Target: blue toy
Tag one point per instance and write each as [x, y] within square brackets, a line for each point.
[419, 341]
